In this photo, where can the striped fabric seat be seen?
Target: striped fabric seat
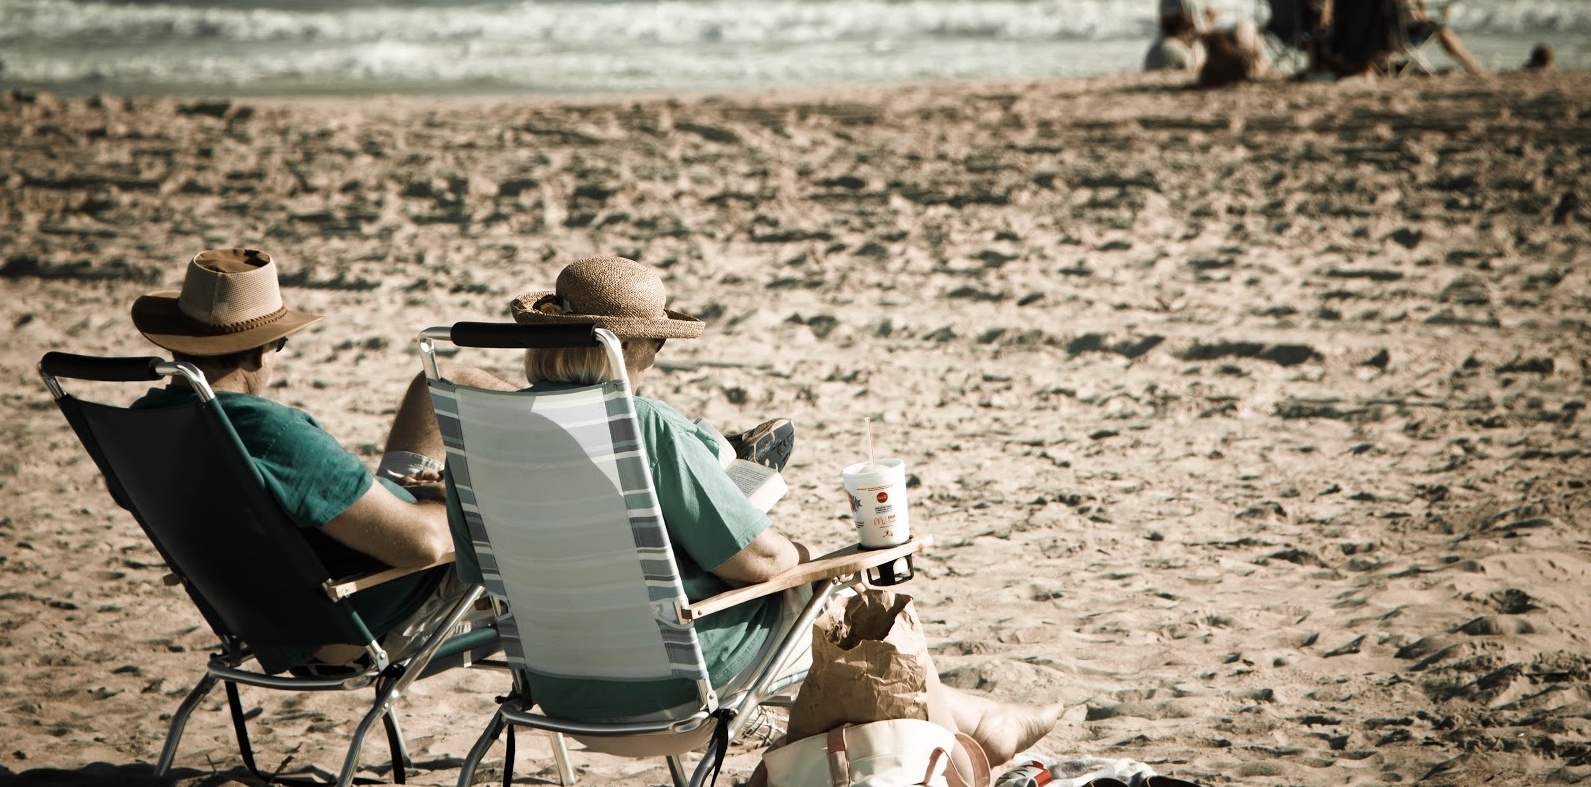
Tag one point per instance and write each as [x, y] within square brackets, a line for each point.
[556, 494]
[558, 499]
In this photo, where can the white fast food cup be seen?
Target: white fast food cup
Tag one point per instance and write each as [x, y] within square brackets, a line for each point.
[878, 502]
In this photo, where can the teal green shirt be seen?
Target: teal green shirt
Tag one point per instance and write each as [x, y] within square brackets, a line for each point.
[314, 479]
[708, 521]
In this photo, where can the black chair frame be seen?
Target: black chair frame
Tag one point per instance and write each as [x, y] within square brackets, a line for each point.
[279, 590]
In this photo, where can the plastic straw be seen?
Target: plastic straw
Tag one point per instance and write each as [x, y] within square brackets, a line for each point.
[867, 423]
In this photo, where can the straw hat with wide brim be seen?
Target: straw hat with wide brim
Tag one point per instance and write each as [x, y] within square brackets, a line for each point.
[621, 295]
[229, 302]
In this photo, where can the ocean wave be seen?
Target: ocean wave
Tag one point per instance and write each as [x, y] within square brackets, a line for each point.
[675, 22]
[1525, 17]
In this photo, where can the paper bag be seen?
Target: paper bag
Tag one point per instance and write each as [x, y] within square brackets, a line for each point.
[869, 663]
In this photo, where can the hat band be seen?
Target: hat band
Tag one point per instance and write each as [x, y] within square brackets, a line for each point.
[223, 329]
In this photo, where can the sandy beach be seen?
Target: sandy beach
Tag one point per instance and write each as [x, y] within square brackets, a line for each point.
[1246, 421]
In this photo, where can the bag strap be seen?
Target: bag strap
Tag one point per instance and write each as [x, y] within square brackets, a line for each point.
[839, 760]
[980, 776]
[933, 765]
[976, 759]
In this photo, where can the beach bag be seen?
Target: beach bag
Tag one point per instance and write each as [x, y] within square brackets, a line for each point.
[892, 753]
[869, 663]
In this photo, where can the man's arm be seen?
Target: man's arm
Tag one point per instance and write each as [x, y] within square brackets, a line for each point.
[382, 525]
[398, 533]
[767, 556]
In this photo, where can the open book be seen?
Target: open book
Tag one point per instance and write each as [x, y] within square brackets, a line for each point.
[762, 486]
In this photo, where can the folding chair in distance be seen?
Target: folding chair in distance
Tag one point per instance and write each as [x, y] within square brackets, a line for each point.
[563, 519]
[183, 474]
[1392, 36]
[1289, 31]
[1413, 37]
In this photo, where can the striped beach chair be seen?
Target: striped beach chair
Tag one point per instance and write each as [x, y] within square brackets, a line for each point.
[565, 527]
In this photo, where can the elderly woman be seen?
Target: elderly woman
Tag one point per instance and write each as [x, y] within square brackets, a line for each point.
[719, 539]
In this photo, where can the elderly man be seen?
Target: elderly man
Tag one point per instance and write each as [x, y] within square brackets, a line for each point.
[230, 322]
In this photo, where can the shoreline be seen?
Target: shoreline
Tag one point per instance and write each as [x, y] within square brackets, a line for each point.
[445, 97]
[1132, 82]
[1571, 60]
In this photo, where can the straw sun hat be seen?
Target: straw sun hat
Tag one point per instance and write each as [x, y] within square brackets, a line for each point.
[621, 295]
[229, 302]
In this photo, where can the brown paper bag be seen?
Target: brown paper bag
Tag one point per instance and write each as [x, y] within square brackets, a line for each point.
[869, 663]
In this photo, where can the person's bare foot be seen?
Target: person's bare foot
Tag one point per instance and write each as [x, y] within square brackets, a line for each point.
[1005, 730]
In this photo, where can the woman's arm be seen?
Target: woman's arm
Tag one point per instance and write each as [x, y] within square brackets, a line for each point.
[767, 556]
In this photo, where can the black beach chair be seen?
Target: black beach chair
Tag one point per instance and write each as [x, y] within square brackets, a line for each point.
[184, 475]
[1289, 32]
[1386, 36]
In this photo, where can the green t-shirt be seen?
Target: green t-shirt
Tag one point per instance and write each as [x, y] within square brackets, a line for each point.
[708, 521]
[314, 479]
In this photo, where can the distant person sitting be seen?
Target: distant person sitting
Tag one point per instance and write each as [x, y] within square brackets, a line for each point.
[1178, 46]
[1236, 54]
[1542, 58]
[230, 322]
[1382, 37]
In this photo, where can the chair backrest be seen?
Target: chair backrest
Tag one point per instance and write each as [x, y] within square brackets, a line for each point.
[1289, 21]
[557, 495]
[1362, 31]
[185, 477]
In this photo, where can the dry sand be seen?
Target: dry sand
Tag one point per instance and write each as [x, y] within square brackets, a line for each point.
[1247, 421]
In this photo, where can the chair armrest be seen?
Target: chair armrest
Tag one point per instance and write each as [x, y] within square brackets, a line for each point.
[339, 589]
[850, 560]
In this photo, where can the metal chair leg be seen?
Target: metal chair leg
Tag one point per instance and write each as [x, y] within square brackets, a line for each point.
[473, 759]
[382, 708]
[676, 770]
[179, 721]
[560, 757]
